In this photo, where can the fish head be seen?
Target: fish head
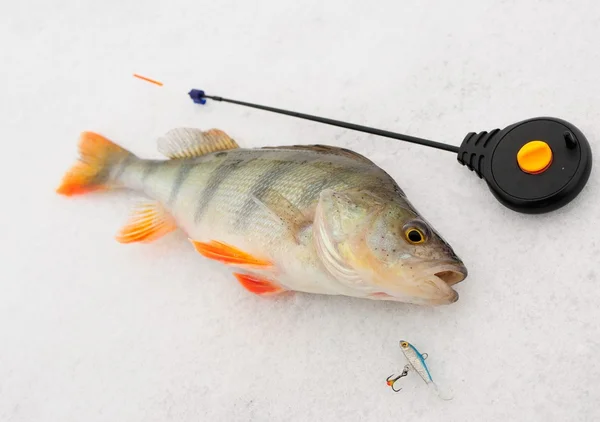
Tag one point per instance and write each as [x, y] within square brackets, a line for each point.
[382, 248]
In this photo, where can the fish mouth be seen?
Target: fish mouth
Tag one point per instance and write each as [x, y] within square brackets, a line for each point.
[451, 274]
[443, 276]
[450, 277]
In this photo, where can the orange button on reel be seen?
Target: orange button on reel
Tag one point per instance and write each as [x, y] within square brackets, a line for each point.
[534, 157]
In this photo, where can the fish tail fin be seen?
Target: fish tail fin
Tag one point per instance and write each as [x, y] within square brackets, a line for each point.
[95, 169]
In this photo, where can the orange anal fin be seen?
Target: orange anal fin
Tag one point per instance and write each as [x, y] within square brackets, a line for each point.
[257, 285]
[228, 254]
[149, 221]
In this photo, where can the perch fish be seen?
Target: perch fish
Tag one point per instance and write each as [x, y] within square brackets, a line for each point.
[308, 218]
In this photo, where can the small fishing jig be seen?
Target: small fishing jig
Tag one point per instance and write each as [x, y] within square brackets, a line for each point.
[416, 362]
[391, 381]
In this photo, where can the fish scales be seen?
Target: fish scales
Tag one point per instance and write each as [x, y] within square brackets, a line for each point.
[313, 219]
[222, 187]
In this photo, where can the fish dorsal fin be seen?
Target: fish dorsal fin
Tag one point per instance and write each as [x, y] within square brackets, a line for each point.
[183, 142]
[327, 149]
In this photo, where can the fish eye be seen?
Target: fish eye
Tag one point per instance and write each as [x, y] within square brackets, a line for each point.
[415, 232]
[414, 235]
[404, 344]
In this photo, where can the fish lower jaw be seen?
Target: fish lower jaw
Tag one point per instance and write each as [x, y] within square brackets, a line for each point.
[445, 300]
[426, 301]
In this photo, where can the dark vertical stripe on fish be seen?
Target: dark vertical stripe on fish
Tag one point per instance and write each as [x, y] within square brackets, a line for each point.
[149, 168]
[264, 183]
[182, 174]
[311, 193]
[218, 176]
[332, 175]
[125, 162]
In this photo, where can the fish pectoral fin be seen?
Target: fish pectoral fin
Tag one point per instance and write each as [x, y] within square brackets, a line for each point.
[228, 254]
[282, 210]
[185, 142]
[258, 285]
[148, 221]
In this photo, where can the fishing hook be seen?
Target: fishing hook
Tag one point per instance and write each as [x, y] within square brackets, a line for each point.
[391, 382]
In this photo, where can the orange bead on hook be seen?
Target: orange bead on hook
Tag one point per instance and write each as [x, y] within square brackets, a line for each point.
[391, 381]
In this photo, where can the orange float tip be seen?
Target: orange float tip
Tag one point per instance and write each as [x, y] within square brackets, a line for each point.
[144, 78]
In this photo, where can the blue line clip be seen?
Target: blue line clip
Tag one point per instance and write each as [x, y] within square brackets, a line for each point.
[197, 95]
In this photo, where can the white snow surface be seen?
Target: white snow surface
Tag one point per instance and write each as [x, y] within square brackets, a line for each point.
[93, 330]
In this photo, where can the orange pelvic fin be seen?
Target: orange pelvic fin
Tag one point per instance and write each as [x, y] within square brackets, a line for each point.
[258, 285]
[149, 221]
[229, 254]
[98, 156]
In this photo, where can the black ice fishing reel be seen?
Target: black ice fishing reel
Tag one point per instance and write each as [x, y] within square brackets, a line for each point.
[532, 166]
